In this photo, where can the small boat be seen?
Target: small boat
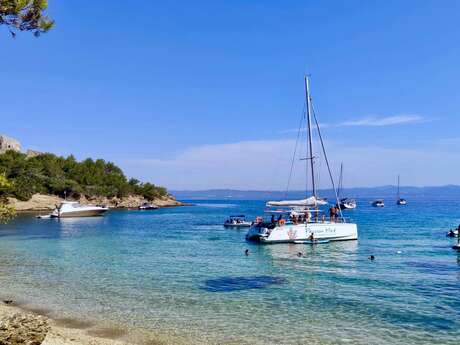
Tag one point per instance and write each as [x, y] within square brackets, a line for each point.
[452, 233]
[378, 203]
[43, 216]
[147, 206]
[69, 209]
[400, 201]
[344, 203]
[347, 204]
[237, 222]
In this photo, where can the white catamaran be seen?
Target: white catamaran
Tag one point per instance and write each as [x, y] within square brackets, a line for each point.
[306, 226]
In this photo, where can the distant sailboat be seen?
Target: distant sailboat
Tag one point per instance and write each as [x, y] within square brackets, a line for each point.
[399, 200]
[344, 203]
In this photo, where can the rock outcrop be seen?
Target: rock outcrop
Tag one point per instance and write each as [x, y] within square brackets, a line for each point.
[41, 202]
[22, 328]
[38, 202]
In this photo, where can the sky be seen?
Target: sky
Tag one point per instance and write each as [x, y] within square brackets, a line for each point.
[208, 94]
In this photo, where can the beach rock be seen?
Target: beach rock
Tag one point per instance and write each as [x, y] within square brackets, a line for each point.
[23, 329]
[38, 202]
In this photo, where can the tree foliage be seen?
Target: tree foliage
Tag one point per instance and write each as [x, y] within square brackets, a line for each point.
[51, 174]
[6, 212]
[25, 15]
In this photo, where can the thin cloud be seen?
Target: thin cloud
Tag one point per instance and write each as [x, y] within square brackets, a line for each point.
[370, 121]
[265, 164]
[376, 121]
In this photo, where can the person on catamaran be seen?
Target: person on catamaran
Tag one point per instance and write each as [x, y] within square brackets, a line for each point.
[272, 219]
[294, 219]
[332, 213]
[337, 212]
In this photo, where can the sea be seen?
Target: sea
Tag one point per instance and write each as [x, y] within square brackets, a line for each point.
[179, 272]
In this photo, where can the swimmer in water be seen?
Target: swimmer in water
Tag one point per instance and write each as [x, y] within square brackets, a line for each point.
[372, 257]
[246, 252]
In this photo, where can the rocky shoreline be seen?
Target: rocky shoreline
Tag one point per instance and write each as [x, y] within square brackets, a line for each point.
[20, 326]
[43, 202]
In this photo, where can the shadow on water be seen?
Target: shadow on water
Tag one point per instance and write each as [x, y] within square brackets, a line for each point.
[229, 284]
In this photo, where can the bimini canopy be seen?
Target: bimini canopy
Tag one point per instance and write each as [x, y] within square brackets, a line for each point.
[309, 202]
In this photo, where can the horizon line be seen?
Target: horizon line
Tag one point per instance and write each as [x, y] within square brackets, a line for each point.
[301, 190]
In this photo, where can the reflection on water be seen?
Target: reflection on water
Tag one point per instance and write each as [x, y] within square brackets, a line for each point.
[78, 226]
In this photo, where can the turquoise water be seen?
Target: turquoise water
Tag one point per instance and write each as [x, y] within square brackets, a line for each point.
[177, 270]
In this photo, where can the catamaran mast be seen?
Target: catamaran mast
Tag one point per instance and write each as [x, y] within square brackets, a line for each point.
[398, 188]
[310, 144]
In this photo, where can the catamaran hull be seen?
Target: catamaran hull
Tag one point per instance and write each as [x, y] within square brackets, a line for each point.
[291, 233]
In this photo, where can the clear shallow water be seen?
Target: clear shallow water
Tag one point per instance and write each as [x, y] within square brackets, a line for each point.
[178, 270]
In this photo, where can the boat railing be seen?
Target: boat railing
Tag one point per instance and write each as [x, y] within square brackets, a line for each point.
[314, 220]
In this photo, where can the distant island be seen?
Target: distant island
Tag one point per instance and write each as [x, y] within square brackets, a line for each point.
[40, 180]
[434, 192]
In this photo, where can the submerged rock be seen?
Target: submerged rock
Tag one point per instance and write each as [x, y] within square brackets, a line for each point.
[229, 284]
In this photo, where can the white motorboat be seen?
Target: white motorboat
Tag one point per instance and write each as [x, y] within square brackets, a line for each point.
[69, 209]
[453, 233]
[378, 203]
[347, 204]
[400, 201]
[147, 206]
[237, 222]
[306, 228]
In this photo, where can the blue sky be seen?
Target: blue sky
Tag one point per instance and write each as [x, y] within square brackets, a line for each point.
[208, 94]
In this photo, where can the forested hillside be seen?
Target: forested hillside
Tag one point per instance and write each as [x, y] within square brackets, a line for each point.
[51, 174]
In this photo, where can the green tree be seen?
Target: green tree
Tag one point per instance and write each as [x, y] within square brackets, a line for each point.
[50, 174]
[25, 15]
[6, 212]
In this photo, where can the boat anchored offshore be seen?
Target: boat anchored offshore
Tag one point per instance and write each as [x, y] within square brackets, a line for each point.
[344, 203]
[306, 226]
[69, 209]
[237, 222]
[148, 206]
[378, 203]
[400, 201]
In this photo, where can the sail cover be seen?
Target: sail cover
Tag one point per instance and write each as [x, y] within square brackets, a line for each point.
[309, 202]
